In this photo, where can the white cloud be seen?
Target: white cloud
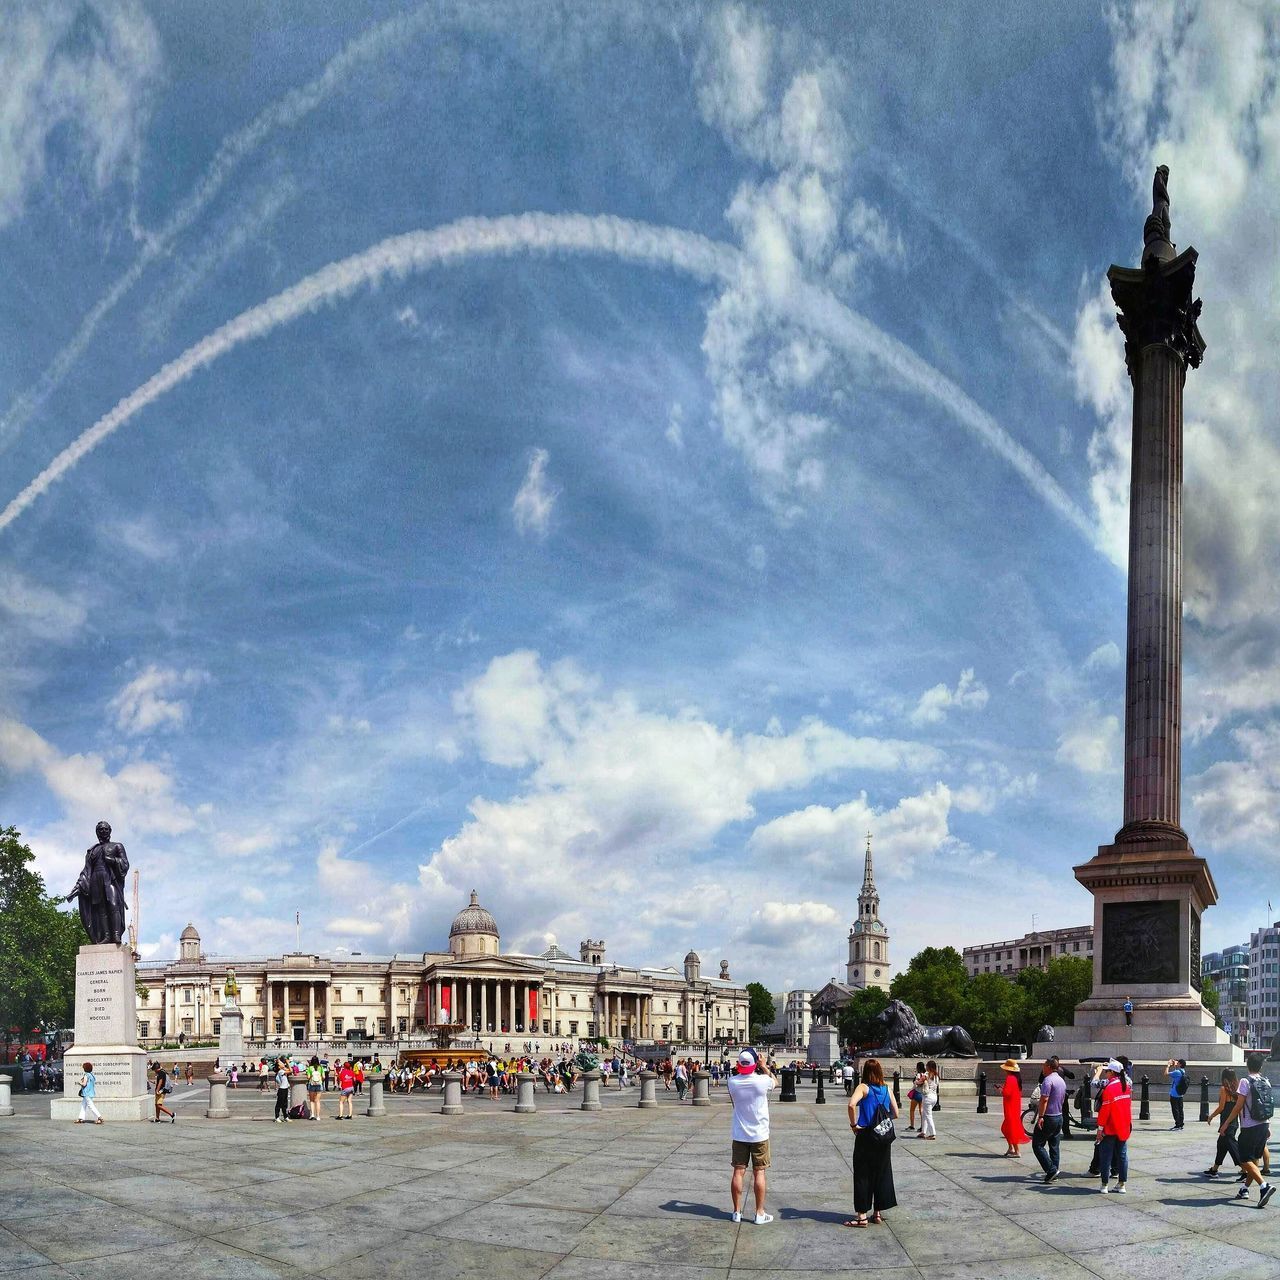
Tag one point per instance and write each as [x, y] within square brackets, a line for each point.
[829, 841]
[535, 499]
[675, 426]
[1238, 801]
[348, 926]
[78, 72]
[408, 317]
[46, 614]
[1105, 657]
[1091, 743]
[970, 694]
[784, 924]
[146, 704]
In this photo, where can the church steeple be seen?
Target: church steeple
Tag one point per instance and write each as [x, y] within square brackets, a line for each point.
[868, 938]
[868, 899]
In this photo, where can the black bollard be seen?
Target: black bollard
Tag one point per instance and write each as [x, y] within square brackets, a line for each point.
[897, 1097]
[982, 1093]
[788, 1093]
[815, 1075]
[1204, 1098]
[1144, 1108]
[1086, 1106]
[822, 1097]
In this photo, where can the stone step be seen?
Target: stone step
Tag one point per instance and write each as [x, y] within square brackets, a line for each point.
[1222, 1053]
[1086, 1017]
[1149, 1032]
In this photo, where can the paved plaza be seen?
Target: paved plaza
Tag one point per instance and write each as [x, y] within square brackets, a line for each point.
[571, 1196]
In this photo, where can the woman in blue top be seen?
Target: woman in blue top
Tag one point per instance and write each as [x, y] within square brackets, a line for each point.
[88, 1087]
[872, 1167]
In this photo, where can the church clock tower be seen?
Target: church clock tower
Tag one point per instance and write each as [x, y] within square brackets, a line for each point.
[868, 939]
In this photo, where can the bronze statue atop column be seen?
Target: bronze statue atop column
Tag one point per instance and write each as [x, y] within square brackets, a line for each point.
[100, 888]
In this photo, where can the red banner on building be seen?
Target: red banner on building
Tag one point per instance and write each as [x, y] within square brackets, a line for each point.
[446, 992]
[533, 1008]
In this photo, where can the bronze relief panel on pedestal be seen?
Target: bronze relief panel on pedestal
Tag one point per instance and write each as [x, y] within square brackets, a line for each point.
[1140, 942]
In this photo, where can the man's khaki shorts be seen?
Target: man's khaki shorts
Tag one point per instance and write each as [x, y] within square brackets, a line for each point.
[756, 1154]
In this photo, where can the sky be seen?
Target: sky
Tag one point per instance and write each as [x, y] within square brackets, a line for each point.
[614, 457]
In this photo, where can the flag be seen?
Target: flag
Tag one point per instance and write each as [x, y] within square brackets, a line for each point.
[297, 917]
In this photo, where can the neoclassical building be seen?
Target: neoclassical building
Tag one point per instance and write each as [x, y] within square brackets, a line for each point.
[868, 963]
[471, 987]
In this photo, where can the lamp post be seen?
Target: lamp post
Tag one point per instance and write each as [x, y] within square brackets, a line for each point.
[707, 1006]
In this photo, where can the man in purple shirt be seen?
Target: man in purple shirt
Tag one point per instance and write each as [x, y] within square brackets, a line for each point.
[1047, 1134]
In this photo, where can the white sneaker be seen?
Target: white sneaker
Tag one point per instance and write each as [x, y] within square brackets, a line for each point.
[736, 1216]
[1120, 1191]
[279, 1121]
[1106, 1190]
[762, 1218]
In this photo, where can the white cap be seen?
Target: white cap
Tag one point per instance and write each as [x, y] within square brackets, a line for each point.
[747, 1058]
[1116, 1066]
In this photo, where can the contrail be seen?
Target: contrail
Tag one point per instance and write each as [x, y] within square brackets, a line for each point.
[809, 306]
[284, 113]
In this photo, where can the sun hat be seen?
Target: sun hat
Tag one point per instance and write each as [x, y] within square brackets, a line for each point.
[1009, 1065]
[1116, 1066]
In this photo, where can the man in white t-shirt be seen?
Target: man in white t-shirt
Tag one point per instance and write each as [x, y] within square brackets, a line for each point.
[749, 1090]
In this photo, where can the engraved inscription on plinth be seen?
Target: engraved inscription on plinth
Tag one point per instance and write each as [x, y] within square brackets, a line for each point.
[1139, 942]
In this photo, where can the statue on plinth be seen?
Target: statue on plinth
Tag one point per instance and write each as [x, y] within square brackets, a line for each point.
[100, 888]
[230, 989]
[1155, 231]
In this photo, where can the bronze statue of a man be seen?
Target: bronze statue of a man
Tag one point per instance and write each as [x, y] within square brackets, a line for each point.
[100, 888]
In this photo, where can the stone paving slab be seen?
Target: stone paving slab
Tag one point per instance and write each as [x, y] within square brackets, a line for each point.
[575, 1196]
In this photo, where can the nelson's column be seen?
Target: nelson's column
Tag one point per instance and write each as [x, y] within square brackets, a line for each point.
[1148, 885]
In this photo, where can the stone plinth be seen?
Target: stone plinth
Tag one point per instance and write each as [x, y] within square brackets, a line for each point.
[648, 1089]
[377, 1107]
[525, 1104]
[590, 1091]
[107, 1036]
[6, 1098]
[231, 1034]
[824, 1044]
[218, 1108]
[452, 1094]
[701, 1089]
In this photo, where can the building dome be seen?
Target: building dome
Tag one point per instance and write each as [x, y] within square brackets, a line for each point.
[189, 934]
[474, 931]
[692, 958]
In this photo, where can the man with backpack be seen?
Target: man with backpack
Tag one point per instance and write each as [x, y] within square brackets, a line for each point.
[1254, 1108]
[1178, 1081]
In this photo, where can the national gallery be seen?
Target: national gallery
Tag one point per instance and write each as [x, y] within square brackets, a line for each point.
[471, 987]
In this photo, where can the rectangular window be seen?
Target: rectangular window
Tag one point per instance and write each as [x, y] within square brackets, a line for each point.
[359, 995]
[186, 995]
[402, 1025]
[144, 1030]
[557, 1030]
[359, 1024]
[546, 1026]
[279, 1026]
[337, 995]
[337, 1026]
[217, 1026]
[573, 1028]
[382, 1026]
[319, 1026]
[186, 1025]
[573, 1000]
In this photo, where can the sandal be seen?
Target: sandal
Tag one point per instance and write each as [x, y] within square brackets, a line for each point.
[876, 1219]
[855, 1222]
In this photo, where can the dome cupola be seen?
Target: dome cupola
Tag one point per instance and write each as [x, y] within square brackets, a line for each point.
[474, 931]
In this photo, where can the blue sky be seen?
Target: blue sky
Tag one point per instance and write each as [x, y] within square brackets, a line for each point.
[711, 447]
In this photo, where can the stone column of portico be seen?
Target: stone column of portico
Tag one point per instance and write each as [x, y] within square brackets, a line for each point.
[511, 1007]
[453, 1000]
[484, 1006]
[311, 1010]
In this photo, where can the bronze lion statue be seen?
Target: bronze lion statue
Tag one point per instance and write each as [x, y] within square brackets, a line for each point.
[905, 1037]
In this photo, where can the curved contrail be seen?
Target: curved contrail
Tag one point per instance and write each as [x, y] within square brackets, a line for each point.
[809, 306]
[284, 113]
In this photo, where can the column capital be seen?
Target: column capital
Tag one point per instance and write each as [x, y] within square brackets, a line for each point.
[1155, 308]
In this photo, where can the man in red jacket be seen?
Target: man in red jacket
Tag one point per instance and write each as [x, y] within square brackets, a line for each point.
[1115, 1124]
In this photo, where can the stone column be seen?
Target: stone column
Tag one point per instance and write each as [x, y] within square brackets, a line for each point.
[452, 1094]
[648, 1089]
[511, 1007]
[484, 1006]
[376, 1105]
[311, 1010]
[218, 1109]
[525, 1104]
[297, 1091]
[453, 1000]
[6, 1098]
[590, 1091]
[284, 1011]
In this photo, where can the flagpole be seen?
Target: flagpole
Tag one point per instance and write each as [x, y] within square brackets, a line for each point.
[297, 930]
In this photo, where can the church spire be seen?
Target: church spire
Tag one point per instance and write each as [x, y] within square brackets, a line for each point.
[868, 938]
[868, 874]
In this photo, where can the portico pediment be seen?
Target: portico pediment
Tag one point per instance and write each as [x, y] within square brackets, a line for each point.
[506, 967]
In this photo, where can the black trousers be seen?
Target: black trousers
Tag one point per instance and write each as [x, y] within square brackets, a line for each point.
[1228, 1146]
[282, 1103]
[872, 1175]
[1175, 1105]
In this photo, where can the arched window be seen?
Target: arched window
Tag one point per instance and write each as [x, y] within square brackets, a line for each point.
[877, 951]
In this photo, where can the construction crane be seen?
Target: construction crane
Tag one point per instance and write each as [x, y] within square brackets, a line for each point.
[133, 923]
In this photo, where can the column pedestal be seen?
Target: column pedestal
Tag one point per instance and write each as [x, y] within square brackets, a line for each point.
[218, 1108]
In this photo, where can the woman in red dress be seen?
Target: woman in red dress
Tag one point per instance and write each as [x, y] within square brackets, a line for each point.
[1011, 1093]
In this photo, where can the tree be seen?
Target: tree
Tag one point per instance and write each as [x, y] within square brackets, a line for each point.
[934, 985]
[38, 945]
[995, 1009]
[856, 1022]
[1052, 993]
[762, 1010]
[1212, 998]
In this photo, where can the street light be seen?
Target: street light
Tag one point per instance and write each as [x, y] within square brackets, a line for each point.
[707, 1006]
